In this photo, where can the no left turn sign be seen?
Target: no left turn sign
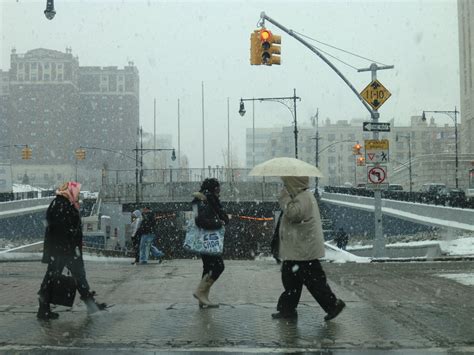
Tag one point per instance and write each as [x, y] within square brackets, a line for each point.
[377, 175]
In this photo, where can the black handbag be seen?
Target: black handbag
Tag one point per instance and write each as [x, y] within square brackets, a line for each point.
[63, 291]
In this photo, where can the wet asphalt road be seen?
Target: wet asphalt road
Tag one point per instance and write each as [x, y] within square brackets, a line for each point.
[398, 308]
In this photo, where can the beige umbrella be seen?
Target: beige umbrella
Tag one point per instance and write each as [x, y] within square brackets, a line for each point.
[285, 167]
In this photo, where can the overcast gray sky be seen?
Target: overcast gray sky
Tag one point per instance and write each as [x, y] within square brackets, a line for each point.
[178, 45]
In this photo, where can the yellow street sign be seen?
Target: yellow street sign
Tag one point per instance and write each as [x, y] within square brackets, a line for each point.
[375, 144]
[375, 94]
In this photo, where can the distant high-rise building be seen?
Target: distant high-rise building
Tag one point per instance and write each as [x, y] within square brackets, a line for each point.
[466, 55]
[55, 107]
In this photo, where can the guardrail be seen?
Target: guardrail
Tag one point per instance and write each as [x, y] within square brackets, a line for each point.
[418, 197]
[16, 196]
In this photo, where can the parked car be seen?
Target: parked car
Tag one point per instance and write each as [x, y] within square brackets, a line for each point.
[431, 192]
[395, 187]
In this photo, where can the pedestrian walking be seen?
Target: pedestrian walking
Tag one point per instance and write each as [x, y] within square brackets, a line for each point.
[146, 233]
[63, 248]
[136, 219]
[301, 245]
[209, 215]
[341, 239]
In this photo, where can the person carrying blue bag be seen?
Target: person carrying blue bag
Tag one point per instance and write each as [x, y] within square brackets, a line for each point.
[210, 216]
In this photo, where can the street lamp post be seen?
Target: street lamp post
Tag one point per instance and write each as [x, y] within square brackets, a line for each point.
[408, 137]
[455, 119]
[282, 100]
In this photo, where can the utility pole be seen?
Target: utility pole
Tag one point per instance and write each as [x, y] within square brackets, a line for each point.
[154, 133]
[179, 138]
[315, 122]
[228, 134]
[203, 137]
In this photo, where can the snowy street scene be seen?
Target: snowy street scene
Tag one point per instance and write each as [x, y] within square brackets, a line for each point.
[233, 177]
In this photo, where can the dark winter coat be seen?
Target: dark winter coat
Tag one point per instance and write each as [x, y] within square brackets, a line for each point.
[210, 213]
[63, 235]
[147, 225]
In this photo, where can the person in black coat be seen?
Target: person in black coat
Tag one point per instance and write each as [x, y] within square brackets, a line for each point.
[63, 248]
[209, 215]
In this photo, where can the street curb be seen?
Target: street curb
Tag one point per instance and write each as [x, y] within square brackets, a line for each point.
[404, 260]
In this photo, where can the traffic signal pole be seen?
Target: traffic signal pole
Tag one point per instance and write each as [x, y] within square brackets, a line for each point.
[379, 242]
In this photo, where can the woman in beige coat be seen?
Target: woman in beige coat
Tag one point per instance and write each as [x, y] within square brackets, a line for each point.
[301, 245]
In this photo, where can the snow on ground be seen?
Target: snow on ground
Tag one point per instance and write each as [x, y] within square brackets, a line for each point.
[25, 188]
[465, 279]
[459, 246]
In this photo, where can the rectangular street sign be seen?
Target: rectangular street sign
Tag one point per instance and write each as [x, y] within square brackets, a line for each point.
[376, 127]
[376, 151]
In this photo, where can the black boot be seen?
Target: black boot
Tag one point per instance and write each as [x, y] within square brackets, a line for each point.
[338, 307]
[285, 315]
[44, 311]
[92, 305]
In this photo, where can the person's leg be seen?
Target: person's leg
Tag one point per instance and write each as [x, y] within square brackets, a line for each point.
[157, 253]
[78, 272]
[54, 269]
[213, 266]
[136, 248]
[145, 244]
[293, 285]
[314, 278]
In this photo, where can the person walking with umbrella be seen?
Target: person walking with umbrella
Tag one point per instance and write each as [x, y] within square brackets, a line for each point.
[301, 241]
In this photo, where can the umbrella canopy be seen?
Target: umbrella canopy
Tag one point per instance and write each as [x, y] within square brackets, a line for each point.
[285, 167]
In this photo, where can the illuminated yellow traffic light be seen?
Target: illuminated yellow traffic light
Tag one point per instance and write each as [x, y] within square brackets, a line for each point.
[26, 153]
[360, 161]
[264, 48]
[270, 47]
[356, 149]
[80, 154]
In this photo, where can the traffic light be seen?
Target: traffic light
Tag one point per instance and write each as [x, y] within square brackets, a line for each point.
[80, 154]
[360, 161]
[26, 153]
[264, 48]
[356, 149]
[255, 48]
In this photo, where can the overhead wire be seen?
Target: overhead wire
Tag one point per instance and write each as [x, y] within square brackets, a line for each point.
[339, 49]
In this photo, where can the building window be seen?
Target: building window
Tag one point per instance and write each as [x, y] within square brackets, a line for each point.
[331, 160]
[34, 65]
[46, 66]
[46, 77]
[59, 77]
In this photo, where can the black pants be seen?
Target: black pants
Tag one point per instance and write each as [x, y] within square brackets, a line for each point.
[55, 268]
[212, 265]
[295, 274]
[136, 248]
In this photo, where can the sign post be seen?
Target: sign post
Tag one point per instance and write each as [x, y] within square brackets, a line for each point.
[375, 94]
